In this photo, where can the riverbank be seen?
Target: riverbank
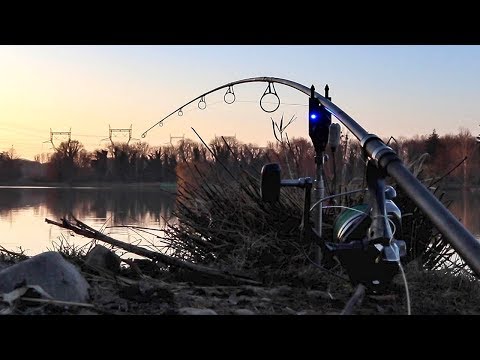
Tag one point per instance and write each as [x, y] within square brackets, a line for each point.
[92, 184]
[163, 185]
[146, 290]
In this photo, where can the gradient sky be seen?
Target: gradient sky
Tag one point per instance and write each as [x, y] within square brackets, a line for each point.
[390, 90]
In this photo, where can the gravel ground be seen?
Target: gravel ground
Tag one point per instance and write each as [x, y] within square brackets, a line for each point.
[128, 293]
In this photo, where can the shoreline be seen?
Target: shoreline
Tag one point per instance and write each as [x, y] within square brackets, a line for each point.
[92, 184]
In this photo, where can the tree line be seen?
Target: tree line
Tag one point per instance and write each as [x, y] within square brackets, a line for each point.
[139, 162]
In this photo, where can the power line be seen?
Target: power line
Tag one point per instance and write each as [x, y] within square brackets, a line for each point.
[91, 136]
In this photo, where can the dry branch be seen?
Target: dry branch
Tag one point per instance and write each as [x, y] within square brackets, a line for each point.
[356, 299]
[81, 228]
[57, 302]
[12, 253]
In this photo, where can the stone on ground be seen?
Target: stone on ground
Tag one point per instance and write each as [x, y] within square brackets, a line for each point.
[243, 312]
[104, 258]
[49, 270]
[194, 311]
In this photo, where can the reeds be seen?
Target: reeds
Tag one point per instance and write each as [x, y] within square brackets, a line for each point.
[222, 221]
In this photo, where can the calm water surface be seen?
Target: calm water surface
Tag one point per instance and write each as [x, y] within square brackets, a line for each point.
[23, 211]
[466, 206]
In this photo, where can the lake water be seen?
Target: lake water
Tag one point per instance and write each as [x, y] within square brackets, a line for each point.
[466, 206]
[23, 211]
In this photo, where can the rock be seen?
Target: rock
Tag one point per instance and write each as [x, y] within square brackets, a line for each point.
[303, 312]
[104, 258]
[243, 312]
[290, 311]
[282, 290]
[49, 270]
[194, 311]
[232, 299]
[318, 294]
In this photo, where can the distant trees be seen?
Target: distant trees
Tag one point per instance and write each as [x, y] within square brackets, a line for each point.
[432, 143]
[140, 162]
[99, 164]
[9, 166]
[67, 159]
[452, 151]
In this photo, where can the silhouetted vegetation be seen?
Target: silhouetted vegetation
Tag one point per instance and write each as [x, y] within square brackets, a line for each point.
[139, 162]
[9, 167]
[224, 224]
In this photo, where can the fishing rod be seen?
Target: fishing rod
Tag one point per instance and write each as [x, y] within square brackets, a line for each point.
[465, 244]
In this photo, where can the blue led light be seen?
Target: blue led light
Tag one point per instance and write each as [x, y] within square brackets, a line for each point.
[313, 116]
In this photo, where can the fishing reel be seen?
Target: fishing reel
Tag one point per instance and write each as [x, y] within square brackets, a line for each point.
[363, 237]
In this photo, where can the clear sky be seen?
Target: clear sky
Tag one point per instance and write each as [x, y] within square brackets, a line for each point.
[390, 90]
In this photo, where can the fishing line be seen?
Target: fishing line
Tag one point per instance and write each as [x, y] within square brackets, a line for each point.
[407, 292]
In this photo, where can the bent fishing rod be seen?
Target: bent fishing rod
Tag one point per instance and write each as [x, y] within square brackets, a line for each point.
[464, 243]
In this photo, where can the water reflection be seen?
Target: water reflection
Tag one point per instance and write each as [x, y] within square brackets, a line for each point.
[23, 210]
[465, 207]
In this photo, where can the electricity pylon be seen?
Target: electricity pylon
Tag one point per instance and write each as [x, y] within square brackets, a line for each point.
[54, 133]
[122, 130]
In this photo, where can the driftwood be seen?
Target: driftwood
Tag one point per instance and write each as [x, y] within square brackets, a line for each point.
[81, 228]
[56, 302]
[356, 299]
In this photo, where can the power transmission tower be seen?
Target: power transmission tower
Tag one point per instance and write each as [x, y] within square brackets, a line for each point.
[176, 137]
[56, 133]
[122, 130]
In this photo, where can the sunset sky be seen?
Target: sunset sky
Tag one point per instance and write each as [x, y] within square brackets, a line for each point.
[390, 90]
